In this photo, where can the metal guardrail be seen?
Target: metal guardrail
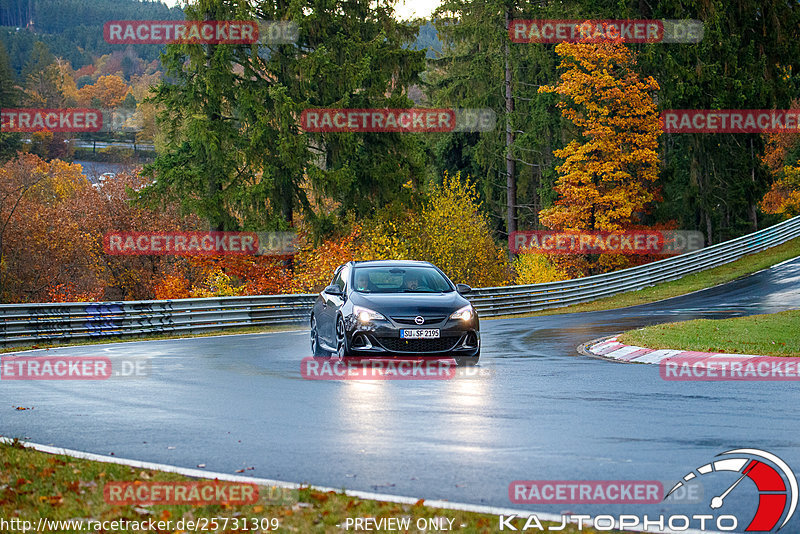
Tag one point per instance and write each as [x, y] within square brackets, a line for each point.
[509, 300]
[30, 323]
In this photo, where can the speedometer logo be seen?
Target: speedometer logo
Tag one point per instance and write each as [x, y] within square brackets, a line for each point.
[776, 483]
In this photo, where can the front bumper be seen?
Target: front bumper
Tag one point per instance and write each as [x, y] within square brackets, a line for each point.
[382, 338]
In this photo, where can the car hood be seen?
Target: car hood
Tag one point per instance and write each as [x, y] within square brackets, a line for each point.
[403, 304]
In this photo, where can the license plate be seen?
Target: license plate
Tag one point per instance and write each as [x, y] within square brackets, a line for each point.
[419, 333]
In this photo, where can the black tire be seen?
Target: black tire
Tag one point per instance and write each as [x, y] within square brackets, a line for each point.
[342, 348]
[316, 350]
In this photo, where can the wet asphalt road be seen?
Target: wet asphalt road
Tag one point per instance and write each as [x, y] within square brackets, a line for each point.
[543, 413]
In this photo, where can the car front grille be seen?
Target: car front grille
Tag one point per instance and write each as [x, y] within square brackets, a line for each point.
[410, 319]
[442, 344]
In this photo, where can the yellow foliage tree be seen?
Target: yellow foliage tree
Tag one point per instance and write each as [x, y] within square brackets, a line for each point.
[449, 231]
[216, 284]
[532, 268]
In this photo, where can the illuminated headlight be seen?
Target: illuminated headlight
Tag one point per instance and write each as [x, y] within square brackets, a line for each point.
[464, 313]
[366, 315]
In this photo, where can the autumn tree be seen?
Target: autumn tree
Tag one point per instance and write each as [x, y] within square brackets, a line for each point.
[783, 198]
[42, 244]
[782, 158]
[52, 224]
[607, 180]
[107, 92]
[448, 229]
[111, 208]
[534, 268]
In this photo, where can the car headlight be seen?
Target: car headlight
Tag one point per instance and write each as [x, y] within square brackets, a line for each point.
[464, 313]
[366, 315]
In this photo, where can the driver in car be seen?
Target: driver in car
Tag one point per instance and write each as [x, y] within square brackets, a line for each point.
[411, 282]
[362, 282]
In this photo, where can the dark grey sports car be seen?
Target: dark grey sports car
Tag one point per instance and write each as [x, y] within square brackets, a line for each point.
[394, 308]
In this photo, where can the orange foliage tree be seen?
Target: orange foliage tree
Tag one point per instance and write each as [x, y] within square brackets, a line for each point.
[783, 198]
[51, 235]
[111, 208]
[223, 276]
[110, 91]
[607, 180]
[43, 249]
[314, 264]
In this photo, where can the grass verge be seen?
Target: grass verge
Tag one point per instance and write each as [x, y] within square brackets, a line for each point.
[688, 284]
[37, 485]
[773, 334]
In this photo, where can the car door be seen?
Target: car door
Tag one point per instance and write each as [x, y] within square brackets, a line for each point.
[331, 304]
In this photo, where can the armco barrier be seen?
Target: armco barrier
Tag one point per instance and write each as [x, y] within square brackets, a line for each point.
[28, 323]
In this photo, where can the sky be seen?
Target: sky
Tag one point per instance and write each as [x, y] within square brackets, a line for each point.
[416, 8]
[405, 8]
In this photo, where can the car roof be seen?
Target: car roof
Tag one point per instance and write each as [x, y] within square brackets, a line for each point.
[392, 263]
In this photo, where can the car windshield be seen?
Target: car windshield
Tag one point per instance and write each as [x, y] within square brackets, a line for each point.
[400, 280]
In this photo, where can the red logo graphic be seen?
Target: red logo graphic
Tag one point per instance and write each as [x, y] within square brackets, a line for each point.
[775, 481]
[378, 369]
[585, 31]
[705, 367]
[598, 31]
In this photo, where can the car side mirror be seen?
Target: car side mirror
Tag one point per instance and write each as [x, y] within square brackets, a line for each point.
[334, 290]
[463, 288]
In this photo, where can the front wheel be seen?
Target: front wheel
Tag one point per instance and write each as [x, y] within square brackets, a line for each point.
[316, 350]
[342, 350]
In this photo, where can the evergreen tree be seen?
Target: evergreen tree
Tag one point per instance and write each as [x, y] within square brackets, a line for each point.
[235, 153]
[748, 59]
[9, 98]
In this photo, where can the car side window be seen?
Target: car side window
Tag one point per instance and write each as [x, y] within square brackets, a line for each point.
[339, 279]
[342, 278]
